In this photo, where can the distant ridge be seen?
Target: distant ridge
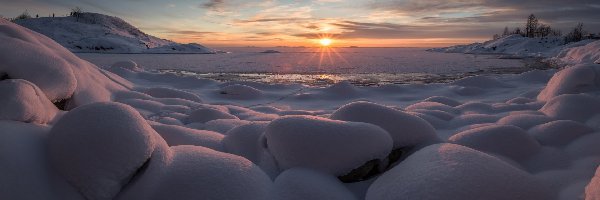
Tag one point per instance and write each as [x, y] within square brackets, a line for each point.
[98, 33]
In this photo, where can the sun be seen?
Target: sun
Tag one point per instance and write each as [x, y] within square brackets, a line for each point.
[325, 41]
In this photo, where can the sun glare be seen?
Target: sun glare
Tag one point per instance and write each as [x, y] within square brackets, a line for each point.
[325, 41]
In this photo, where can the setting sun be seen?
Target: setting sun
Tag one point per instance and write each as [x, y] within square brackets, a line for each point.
[325, 41]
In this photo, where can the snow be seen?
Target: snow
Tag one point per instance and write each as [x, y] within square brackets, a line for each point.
[331, 146]
[204, 115]
[57, 72]
[172, 93]
[96, 152]
[300, 184]
[515, 46]
[93, 32]
[405, 129]
[505, 140]
[577, 79]
[70, 130]
[592, 190]
[448, 171]
[190, 172]
[23, 101]
[177, 135]
[559, 133]
[586, 54]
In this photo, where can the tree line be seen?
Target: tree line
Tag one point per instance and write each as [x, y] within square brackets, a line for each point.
[535, 29]
[75, 12]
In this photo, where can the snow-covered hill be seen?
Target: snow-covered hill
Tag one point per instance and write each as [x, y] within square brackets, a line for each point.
[99, 33]
[516, 46]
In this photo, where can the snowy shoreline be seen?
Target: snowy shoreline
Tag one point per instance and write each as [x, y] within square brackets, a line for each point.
[72, 130]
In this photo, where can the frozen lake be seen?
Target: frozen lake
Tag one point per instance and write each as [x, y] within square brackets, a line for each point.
[318, 66]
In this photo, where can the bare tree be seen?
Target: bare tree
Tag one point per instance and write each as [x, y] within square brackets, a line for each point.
[24, 15]
[506, 31]
[531, 26]
[576, 34]
[76, 12]
[543, 30]
[496, 36]
[518, 31]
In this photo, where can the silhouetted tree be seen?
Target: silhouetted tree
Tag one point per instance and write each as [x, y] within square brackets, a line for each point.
[543, 30]
[531, 26]
[576, 34]
[76, 12]
[506, 32]
[24, 15]
[495, 37]
[518, 31]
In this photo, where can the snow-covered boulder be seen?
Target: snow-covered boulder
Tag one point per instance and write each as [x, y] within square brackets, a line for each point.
[194, 172]
[178, 135]
[577, 79]
[162, 92]
[443, 100]
[405, 129]
[203, 115]
[504, 140]
[245, 141]
[524, 121]
[577, 107]
[21, 100]
[303, 184]
[454, 172]
[99, 147]
[559, 133]
[57, 72]
[24, 167]
[331, 146]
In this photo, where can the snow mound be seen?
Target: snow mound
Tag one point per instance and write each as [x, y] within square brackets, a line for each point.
[524, 121]
[25, 172]
[179, 135]
[23, 101]
[589, 53]
[192, 172]
[238, 91]
[302, 184]
[559, 133]
[245, 141]
[98, 33]
[508, 141]
[577, 107]
[99, 147]
[592, 190]
[331, 146]
[443, 100]
[453, 172]
[572, 80]
[405, 129]
[203, 115]
[433, 106]
[223, 125]
[162, 92]
[57, 72]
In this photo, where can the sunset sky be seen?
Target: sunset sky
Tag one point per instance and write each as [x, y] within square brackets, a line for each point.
[382, 23]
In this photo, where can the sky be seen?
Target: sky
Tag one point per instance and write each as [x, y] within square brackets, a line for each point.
[365, 23]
